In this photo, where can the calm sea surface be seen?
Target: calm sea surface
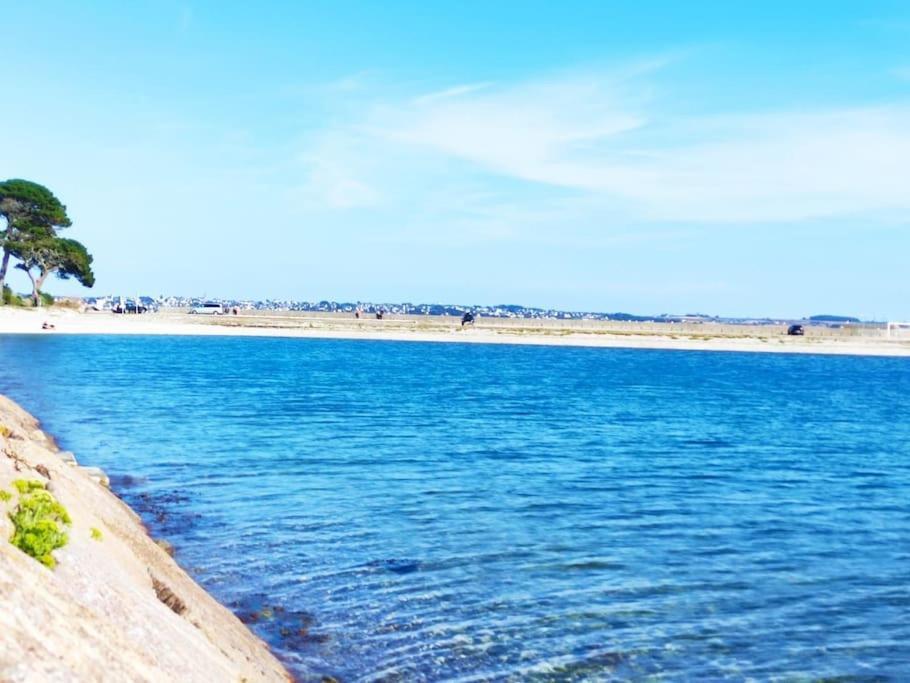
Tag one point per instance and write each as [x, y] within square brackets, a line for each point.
[403, 511]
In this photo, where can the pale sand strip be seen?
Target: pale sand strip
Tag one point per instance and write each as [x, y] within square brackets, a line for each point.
[25, 321]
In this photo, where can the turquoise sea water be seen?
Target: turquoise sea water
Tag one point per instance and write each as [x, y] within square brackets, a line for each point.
[404, 511]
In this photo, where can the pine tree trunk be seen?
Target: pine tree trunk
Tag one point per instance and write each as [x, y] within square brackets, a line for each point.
[3, 268]
[37, 284]
[36, 298]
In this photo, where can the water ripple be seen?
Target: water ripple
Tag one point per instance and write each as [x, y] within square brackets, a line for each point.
[408, 512]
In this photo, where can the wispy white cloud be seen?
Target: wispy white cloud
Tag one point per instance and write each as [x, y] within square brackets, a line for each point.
[901, 72]
[338, 189]
[607, 138]
[523, 131]
[449, 93]
[334, 170]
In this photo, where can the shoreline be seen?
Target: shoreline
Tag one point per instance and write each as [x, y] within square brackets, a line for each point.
[116, 605]
[743, 339]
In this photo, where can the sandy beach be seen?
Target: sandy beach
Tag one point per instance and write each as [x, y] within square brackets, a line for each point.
[706, 337]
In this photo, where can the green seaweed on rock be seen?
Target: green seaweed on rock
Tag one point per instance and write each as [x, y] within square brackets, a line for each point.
[24, 486]
[39, 521]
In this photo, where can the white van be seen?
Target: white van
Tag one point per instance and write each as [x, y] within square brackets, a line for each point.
[208, 308]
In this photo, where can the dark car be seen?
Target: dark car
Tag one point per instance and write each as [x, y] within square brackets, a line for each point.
[130, 307]
[796, 331]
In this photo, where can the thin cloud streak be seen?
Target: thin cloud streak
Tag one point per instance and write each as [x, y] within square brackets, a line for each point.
[604, 136]
[449, 93]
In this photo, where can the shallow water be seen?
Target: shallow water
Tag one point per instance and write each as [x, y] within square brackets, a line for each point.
[405, 511]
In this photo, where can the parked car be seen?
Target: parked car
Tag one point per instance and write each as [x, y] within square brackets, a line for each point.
[208, 308]
[129, 307]
[796, 331]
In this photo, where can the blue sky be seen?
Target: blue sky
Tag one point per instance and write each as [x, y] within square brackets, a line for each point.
[650, 156]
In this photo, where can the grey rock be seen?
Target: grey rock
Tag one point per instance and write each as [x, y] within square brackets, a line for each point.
[98, 475]
[67, 457]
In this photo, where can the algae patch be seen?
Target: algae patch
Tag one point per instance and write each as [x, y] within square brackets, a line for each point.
[39, 522]
[24, 486]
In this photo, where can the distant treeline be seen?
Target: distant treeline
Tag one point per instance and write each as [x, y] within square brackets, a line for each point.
[832, 319]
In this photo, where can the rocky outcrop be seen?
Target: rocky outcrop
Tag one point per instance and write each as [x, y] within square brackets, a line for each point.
[116, 607]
